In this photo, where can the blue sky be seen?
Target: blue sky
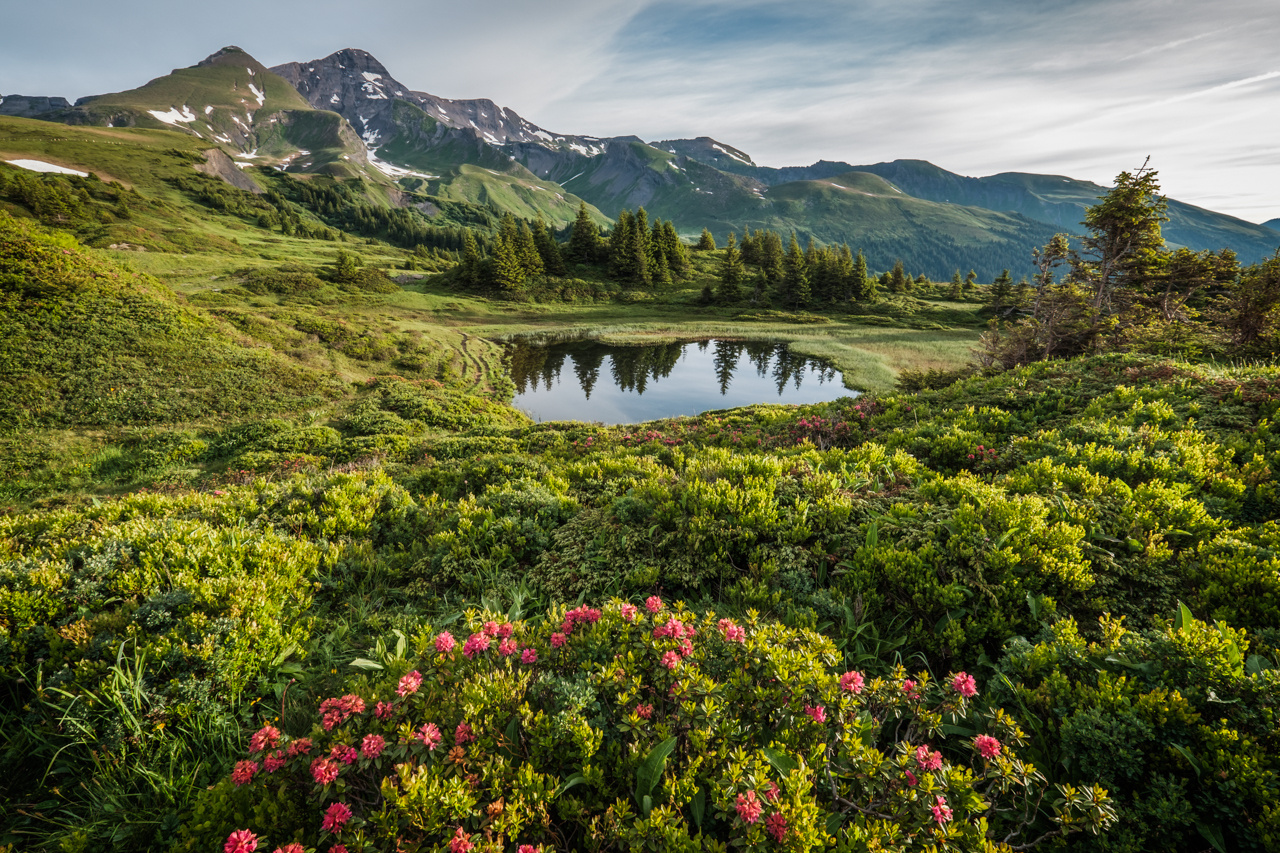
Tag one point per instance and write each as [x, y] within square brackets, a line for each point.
[1076, 87]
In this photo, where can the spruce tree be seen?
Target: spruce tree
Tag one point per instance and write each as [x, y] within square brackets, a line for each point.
[673, 247]
[842, 271]
[707, 242]
[621, 245]
[795, 278]
[899, 281]
[731, 272]
[971, 280]
[469, 266]
[548, 249]
[1001, 291]
[527, 251]
[864, 287]
[584, 239]
[505, 270]
[1022, 293]
[957, 287]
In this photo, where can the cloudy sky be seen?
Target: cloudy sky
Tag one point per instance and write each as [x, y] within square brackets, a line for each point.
[1085, 88]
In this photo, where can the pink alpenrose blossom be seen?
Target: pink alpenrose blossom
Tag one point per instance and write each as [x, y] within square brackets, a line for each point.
[409, 684]
[461, 842]
[653, 604]
[941, 812]
[241, 841]
[336, 817]
[852, 682]
[964, 684]
[372, 746]
[928, 760]
[529, 655]
[445, 642]
[430, 735]
[267, 737]
[987, 746]
[748, 807]
[243, 772]
[776, 824]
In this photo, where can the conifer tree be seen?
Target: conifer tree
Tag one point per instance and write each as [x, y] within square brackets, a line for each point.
[707, 242]
[469, 266]
[899, 281]
[771, 258]
[674, 249]
[864, 286]
[527, 251]
[1001, 291]
[584, 239]
[731, 272]
[548, 249]
[621, 256]
[971, 280]
[843, 274]
[1022, 293]
[795, 278]
[750, 248]
[957, 287]
[659, 272]
[346, 268]
[505, 270]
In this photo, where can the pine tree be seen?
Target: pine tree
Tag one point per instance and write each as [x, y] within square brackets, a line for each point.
[346, 268]
[795, 278]
[970, 281]
[584, 239]
[621, 245]
[707, 242]
[548, 249]
[527, 252]
[864, 286]
[469, 267]
[957, 287]
[1001, 291]
[1022, 293]
[505, 270]
[843, 273]
[674, 249]
[659, 272]
[731, 272]
[899, 281]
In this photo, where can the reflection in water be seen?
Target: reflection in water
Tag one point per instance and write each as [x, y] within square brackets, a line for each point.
[678, 379]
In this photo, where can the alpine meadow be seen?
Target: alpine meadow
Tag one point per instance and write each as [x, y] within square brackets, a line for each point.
[283, 567]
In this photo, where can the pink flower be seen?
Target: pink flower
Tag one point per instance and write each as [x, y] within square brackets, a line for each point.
[342, 752]
[776, 824]
[852, 682]
[243, 772]
[910, 688]
[334, 712]
[732, 633]
[528, 848]
[508, 647]
[504, 631]
[987, 746]
[384, 710]
[445, 642]
[490, 629]
[463, 733]
[301, 746]
[671, 660]
[372, 746]
[557, 640]
[644, 711]
[409, 684]
[475, 644]
[324, 771]
[430, 735]
[911, 778]
[818, 713]
[241, 841]
[338, 848]
[686, 648]
[291, 847]
[748, 807]
[461, 842]
[274, 761]
[964, 684]
[771, 791]
[529, 655]
[653, 604]
[628, 612]
[941, 813]
[267, 737]
[336, 817]
[928, 760]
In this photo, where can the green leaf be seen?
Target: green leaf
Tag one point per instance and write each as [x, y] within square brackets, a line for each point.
[1213, 835]
[650, 770]
[1256, 664]
[646, 806]
[698, 806]
[873, 536]
[834, 821]
[365, 663]
[1186, 753]
[783, 763]
[572, 782]
[1183, 618]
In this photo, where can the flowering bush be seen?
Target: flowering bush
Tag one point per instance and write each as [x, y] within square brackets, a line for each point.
[654, 727]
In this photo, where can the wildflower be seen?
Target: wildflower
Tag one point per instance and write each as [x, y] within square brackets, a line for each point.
[338, 848]
[372, 746]
[243, 772]
[409, 684]
[732, 633]
[241, 841]
[463, 733]
[818, 713]
[336, 817]
[748, 807]
[529, 655]
[911, 688]
[964, 684]
[852, 682]
[294, 847]
[475, 644]
[653, 604]
[324, 771]
[628, 612]
[557, 640]
[267, 737]
[928, 760]
[334, 712]
[941, 813]
[508, 647]
[274, 761]
[987, 746]
[771, 791]
[686, 648]
[776, 824]
[671, 660]
[528, 848]
[430, 735]
[445, 642]
[911, 778]
[301, 746]
[644, 711]
[383, 710]
[504, 630]
[461, 842]
[342, 752]
[490, 629]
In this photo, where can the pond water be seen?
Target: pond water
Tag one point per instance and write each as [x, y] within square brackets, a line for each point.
[590, 381]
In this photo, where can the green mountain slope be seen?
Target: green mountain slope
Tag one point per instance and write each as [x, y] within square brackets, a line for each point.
[86, 342]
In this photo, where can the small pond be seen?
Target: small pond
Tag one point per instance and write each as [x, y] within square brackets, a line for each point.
[590, 381]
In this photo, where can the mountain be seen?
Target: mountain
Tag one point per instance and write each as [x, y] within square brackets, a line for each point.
[1273, 224]
[29, 106]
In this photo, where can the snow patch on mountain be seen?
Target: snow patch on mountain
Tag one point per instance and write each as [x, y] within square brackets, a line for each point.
[260, 95]
[41, 166]
[173, 115]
